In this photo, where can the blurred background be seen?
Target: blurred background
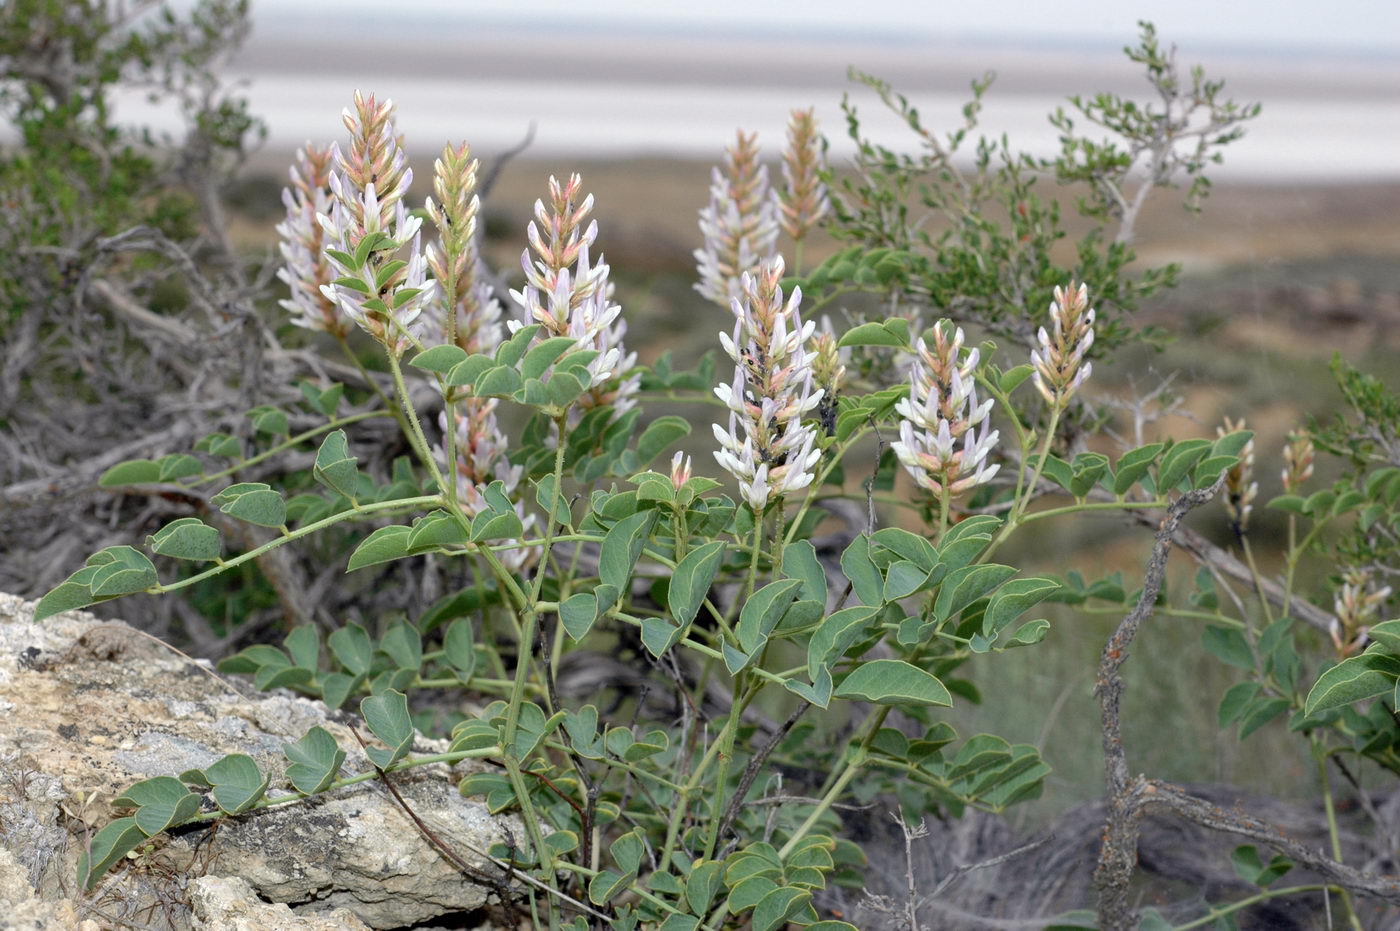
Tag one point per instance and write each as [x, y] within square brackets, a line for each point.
[1293, 258]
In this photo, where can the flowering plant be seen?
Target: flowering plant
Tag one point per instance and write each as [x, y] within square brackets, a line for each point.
[763, 631]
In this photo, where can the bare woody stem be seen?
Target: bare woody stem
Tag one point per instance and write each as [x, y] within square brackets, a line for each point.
[1129, 797]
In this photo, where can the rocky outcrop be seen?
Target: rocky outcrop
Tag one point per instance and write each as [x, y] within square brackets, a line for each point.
[88, 707]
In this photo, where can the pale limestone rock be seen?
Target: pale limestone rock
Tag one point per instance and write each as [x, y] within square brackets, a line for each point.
[229, 904]
[91, 707]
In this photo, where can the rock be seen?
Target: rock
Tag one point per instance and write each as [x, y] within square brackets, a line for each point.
[229, 904]
[91, 707]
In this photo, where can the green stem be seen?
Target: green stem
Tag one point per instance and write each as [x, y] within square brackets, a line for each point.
[416, 438]
[287, 444]
[1332, 831]
[354, 511]
[1216, 914]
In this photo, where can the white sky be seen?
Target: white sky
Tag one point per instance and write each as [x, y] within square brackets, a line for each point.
[1301, 25]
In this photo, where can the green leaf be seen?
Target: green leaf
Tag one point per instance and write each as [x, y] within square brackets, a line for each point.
[121, 570]
[543, 354]
[335, 467]
[1178, 460]
[315, 761]
[163, 801]
[1352, 680]
[964, 586]
[622, 546]
[336, 687]
[903, 579]
[910, 546]
[130, 472]
[800, 562]
[860, 569]
[606, 885]
[1013, 599]
[577, 614]
[177, 466]
[966, 539]
[1236, 701]
[71, 594]
[352, 648]
[387, 717]
[254, 502]
[1387, 634]
[678, 922]
[459, 649]
[775, 908]
[659, 434]
[237, 782]
[1228, 646]
[894, 682]
[440, 359]
[627, 851]
[304, 645]
[1133, 465]
[691, 581]
[404, 645]
[221, 444]
[1029, 633]
[500, 381]
[469, 370]
[763, 610]
[1261, 712]
[109, 845]
[384, 545]
[834, 636]
[186, 538]
[871, 334]
[702, 884]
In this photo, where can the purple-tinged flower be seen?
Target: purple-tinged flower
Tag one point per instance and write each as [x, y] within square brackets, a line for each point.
[570, 296]
[1060, 366]
[369, 227]
[305, 269]
[740, 225]
[767, 447]
[1357, 607]
[939, 442]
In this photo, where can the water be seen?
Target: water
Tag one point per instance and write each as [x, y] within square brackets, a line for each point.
[626, 96]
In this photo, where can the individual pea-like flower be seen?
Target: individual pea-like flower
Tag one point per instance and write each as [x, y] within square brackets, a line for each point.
[939, 442]
[1060, 366]
[803, 200]
[369, 227]
[767, 447]
[740, 224]
[1297, 461]
[305, 270]
[680, 470]
[571, 297]
[1356, 605]
[1240, 487]
[474, 320]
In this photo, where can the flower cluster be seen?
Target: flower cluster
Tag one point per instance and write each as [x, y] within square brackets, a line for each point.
[369, 225]
[829, 373]
[1357, 606]
[1297, 461]
[740, 225]
[473, 320]
[939, 441]
[1240, 487]
[767, 447]
[803, 200]
[305, 270]
[572, 298]
[1060, 366]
